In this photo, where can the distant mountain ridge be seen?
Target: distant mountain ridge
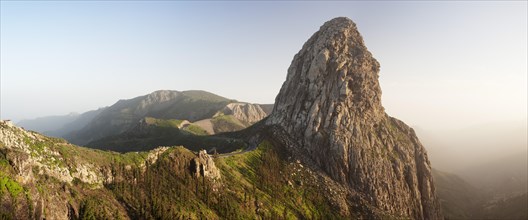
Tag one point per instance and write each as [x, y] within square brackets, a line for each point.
[164, 104]
[60, 125]
[213, 113]
[149, 133]
[48, 123]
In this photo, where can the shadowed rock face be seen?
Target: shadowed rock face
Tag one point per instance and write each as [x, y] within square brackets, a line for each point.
[330, 108]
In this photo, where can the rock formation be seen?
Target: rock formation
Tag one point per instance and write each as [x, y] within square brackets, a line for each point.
[203, 166]
[330, 108]
[27, 153]
[244, 112]
[31, 158]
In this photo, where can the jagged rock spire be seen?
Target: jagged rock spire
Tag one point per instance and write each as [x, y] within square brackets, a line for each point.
[330, 108]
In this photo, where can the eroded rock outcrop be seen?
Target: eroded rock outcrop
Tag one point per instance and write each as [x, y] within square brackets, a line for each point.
[245, 112]
[32, 159]
[203, 166]
[28, 153]
[330, 108]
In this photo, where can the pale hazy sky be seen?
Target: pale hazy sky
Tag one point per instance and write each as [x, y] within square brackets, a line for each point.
[443, 64]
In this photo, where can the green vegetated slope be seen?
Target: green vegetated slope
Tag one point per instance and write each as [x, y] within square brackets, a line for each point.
[152, 132]
[227, 123]
[42, 177]
[167, 123]
[251, 186]
[164, 104]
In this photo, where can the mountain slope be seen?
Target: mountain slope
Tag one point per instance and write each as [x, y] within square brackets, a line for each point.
[164, 104]
[459, 199]
[514, 207]
[327, 151]
[507, 175]
[42, 177]
[80, 122]
[151, 133]
[58, 126]
[329, 110]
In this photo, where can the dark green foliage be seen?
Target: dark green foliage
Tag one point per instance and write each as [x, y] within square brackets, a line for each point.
[93, 208]
[166, 190]
[194, 129]
[9, 185]
[153, 136]
[263, 175]
[169, 123]
[167, 137]
[253, 185]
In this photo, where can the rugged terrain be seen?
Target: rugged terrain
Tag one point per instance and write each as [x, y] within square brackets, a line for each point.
[48, 178]
[201, 113]
[327, 151]
[329, 109]
[164, 104]
[149, 133]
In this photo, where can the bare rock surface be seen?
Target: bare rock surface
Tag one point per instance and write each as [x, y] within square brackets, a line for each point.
[203, 166]
[245, 112]
[24, 148]
[330, 109]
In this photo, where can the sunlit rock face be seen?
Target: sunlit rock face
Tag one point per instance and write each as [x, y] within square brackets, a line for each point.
[330, 108]
[245, 112]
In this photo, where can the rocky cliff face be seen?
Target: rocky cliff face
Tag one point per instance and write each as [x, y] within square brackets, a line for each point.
[204, 166]
[245, 112]
[330, 108]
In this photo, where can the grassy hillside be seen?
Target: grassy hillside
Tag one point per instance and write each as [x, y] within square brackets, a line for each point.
[251, 186]
[94, 184]
[124, 114]
[152, 133]
[226, 123]
[165, 123]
